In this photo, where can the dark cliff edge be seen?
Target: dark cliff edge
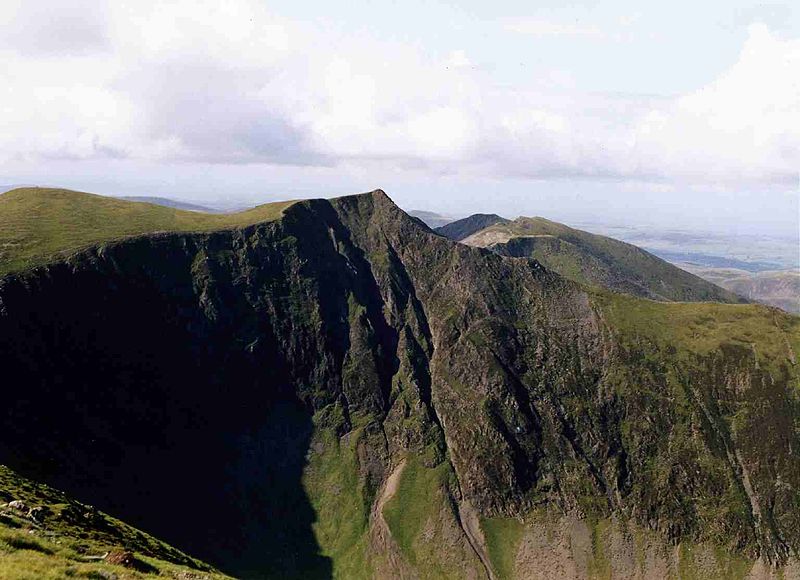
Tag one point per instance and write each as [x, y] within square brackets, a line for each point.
[246, 394]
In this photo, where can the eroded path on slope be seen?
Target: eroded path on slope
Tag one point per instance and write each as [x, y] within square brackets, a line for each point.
[470, 523]
[392, 565]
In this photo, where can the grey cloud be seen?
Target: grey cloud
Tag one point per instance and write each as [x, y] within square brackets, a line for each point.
[58, 29]
[217, 115]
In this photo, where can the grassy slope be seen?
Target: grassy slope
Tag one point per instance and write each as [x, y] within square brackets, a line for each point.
[414, 502]
[340, 500]
[598, 260]
[703, 327]
[695, 350]
[68, 541]
[342, 504]
[422, 520]
[37, 224]
[503, 536]
[686, 331]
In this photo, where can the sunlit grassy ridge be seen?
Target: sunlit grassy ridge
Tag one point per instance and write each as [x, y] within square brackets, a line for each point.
[37, 224]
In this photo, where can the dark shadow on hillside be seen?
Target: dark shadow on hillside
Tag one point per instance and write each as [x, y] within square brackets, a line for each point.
[169, 406]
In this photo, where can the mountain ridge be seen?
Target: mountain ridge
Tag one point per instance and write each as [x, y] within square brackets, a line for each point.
[318, 351]
[595, 260]
[39, 224]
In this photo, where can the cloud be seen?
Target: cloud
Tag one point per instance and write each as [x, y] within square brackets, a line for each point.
[743, 126]
[61, 28]
[205, 82]
[542, 28]
[459, 59]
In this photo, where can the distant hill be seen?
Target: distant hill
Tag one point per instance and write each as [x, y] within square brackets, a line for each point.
[174, 203]
[463, 228]
[711, 261]
[431, 219]
[776, 288]
[4, 188]
[595, 260]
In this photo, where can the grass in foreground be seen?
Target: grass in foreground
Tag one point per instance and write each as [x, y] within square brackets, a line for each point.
[63, 538]
[37, 224]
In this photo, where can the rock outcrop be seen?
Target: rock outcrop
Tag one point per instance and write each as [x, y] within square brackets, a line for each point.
[246, 395]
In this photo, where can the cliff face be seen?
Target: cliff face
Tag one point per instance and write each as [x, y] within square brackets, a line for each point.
[343, 392]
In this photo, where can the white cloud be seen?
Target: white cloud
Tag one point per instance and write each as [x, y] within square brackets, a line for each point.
[233, 83]
[242, 32]
[540, 27]
[41, 28]
[445, 132]
[743, 126]
[458, 59]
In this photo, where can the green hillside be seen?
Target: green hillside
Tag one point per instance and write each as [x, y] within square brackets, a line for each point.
[344, 394]
[45, 534]
[598, 260]
[38, 223]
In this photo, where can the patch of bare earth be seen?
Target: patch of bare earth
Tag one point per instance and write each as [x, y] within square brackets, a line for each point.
[389, 561]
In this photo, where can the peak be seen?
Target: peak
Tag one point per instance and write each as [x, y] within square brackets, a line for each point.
[380, 197]
[484, 215]
[375, 194]
[379, 193]
[374, 207]
[463, 228]
[376, 198]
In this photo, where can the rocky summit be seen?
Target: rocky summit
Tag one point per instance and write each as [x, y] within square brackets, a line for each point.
[338, 391]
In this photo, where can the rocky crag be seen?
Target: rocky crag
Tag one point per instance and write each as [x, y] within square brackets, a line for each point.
[341, 392]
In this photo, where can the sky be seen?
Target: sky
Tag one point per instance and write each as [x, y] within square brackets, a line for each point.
[679, 114]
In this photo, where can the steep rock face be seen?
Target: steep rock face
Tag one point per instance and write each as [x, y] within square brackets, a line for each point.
[247, 394]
